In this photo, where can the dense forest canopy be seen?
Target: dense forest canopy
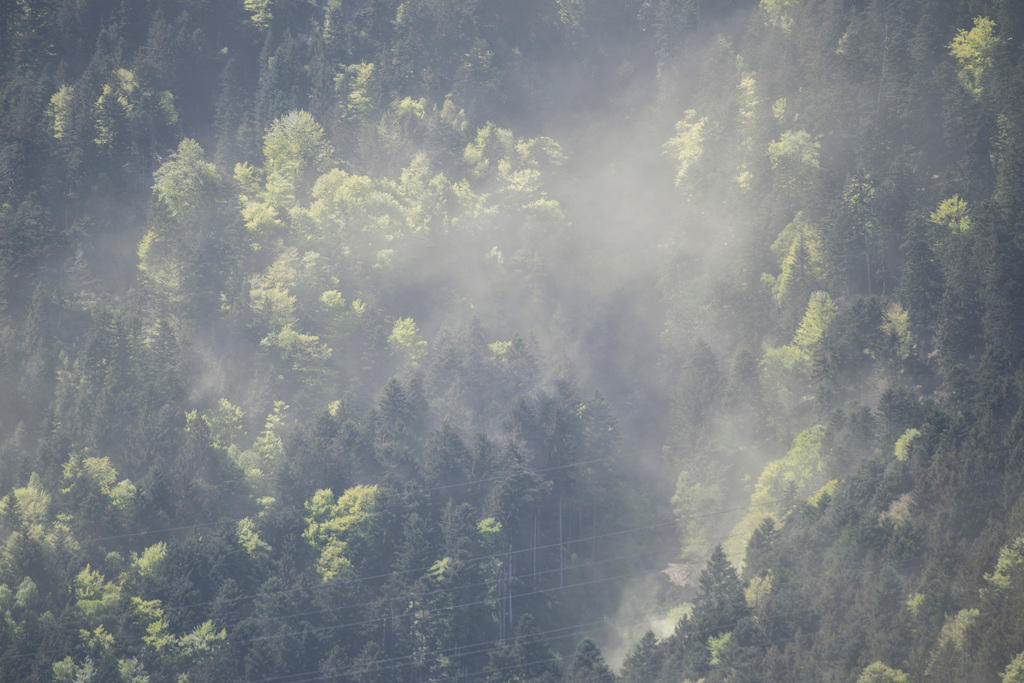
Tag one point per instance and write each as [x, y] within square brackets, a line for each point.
[535, 340]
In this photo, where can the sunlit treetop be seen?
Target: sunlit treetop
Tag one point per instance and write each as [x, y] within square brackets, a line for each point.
[975, 51]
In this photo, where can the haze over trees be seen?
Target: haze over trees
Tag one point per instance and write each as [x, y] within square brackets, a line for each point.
[548, 340]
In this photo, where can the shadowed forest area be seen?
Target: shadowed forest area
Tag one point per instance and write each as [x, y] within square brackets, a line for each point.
[494, 340]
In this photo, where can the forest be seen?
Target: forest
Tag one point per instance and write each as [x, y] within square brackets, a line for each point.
[512, 340]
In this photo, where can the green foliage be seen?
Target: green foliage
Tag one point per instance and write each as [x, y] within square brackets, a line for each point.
[98, 474]
[801, 466]
[779, 109]
[249, 538]
[488, 527]
[953, 215]
[686, 147]
[778, 13]
[95, 598]
[61, 112]
[380, 174]
[786, 371]
[758, 591]
[174, 253]
[333, 525]
[782, 484]
[98, 470]
[260, 12]
[914, 603]
[897, 329]
[405, 340]
[691, 498]
[124, 110]
[951, 647]
[227, 424]
[717, 646]
[779, 364]
[301, 350]
[184, 181]
[490, 146]
[815, 323]
[974, 51]
[1008, 567]
[296, 153]
[148, 563]
[880, 673]
[268, 449]
[802, 268]
[570, 12]
[901, 449]
[131, 670]
[795, 149]
[823, 494]
[149, 614]
[32, 503]
[588, 665]
[27, 595]
[200, 641]
[1014, 672]
[356, 86]
[114, 106]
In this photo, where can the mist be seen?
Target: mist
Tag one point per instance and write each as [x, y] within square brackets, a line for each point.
[569, 340]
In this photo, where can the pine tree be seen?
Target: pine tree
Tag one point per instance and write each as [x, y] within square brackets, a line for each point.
[588, 665]
[645, 661]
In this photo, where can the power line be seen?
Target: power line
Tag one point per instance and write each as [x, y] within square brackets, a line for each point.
[528, 549]
[235, 520]
[478, 647]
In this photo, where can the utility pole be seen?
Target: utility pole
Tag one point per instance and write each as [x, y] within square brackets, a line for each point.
[561, 548]
[501, 607]
[535, 549]
[510, 626]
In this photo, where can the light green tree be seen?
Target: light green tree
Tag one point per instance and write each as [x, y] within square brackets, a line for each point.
[405, 341]
[357, 89]
[901, 449]
[333, 526]
[490, 145]
[227, 424]
[61, 112]
[782, 484]
[32, 504]
[800, 251]
[694, 495]
[98, 474]
[124, 111]
[148, 563]
[815, 323]
[1014, 672]
[975, 51]
[880, 673]
[296, 152]
[786, 371]
[95, 598]
[687, 145]
[183, 184]
[191, 222]
[795, 162]
[795, 148]
[260, 12]
[951, 648]
[953, 215]
[778, 13]
[896, 327]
